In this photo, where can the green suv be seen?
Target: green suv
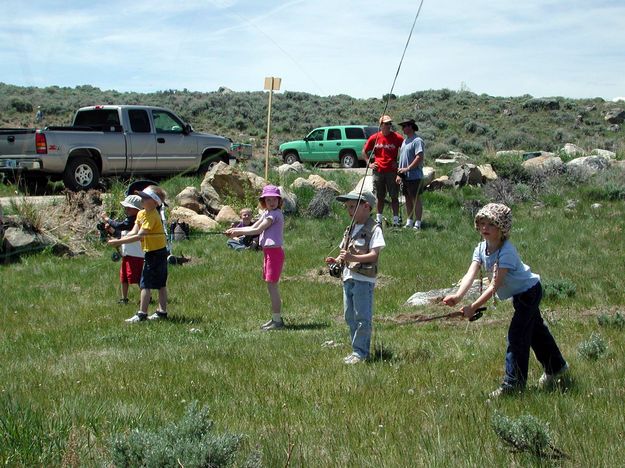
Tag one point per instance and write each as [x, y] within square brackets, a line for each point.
[342, 144]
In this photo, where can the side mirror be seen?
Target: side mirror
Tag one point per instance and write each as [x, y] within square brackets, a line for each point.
[306, 138]
[187, 129]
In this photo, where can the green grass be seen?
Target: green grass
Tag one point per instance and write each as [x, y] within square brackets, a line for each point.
[74, 375]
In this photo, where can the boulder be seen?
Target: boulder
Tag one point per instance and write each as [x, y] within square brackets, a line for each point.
[466, 174]
[227, 215]
[588, 165]
[366, 183]
[509, 153]
[191, 198]
[615, 116]
[435, 296]
[17, 238]
[572, 150]
[614, 128]
[440, 183]
[296, 167]
[488, 173]
[605, 153]
[289, 201]
[317, 181]
[543, 164]
[196, 221]
[300, 182]
[428, 175]
[227, 180]
[445, 161]
[211, 199]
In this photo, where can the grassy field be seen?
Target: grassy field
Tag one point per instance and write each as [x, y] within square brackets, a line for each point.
[73, 374]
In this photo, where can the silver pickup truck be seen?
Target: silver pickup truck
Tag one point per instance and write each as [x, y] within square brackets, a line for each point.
[111, 140]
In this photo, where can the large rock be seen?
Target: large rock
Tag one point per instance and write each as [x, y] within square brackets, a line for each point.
[227, 215]
[509, 153]
[289, 201]
[428, 175]
[573, 150]
[542, 165]
[16, 238]
[211, 199]
[435, 296]
[191, 198]
[229, 181]
[588, 165]
[196, 221]
[615, 116]
[488, 173]
[466, 174]
[296, 167]
[605, 153]
[440, 183]
[300, 182]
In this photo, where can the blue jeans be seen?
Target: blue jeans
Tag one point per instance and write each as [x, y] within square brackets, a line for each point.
[358, 309]
[527, 329]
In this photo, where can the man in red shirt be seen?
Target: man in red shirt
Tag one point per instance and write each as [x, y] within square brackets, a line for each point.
[385, 146]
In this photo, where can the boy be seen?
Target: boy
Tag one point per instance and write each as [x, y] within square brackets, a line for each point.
[150, 231]
[360, 250]
[132, 254]
[243, 242]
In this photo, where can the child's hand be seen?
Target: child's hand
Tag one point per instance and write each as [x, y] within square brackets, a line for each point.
[330, 260]
[343, 256]
[451, 300]
[104, 216]
[467, 311]
[112, 242]
[231, 232]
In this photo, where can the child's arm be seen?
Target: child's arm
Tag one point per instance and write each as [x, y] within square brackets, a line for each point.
[465, 284]
[136, 234]
[489, 292]
[253, 230]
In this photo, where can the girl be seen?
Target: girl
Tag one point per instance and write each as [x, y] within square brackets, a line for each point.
[511, 278]
[270, 226]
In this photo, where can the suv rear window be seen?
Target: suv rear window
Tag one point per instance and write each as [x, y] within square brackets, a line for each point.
[371, 131]
[334, 134]
[354, 133]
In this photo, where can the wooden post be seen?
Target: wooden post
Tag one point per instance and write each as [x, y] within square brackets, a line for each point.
[271, 83]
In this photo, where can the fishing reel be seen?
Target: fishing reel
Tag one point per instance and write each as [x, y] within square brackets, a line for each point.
[336, 269]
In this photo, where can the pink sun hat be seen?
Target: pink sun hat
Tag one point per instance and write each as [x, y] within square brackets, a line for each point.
[270, 191]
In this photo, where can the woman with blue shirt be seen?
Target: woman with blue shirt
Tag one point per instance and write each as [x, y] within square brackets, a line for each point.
[511, 278]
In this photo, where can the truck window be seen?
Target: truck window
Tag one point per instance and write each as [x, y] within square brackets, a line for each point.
[164, 122]
[316, 135]
[334, 134]
[354, 133]
[97, 118]
[139, 121]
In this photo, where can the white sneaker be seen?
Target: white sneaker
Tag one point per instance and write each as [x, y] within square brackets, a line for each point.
[548, 380]
[353, 359]
[138, 317]
[158, 316]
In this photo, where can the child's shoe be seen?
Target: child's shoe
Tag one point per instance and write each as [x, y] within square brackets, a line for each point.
[353, 359]
[273, 325]
[123, 301]
[502, 392]
[158, 315]
[138, 317]
[549, 380]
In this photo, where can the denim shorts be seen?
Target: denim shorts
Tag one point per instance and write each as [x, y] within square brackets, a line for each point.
[154, 275]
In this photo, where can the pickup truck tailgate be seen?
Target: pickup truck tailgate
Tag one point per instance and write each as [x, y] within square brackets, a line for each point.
[17, 142]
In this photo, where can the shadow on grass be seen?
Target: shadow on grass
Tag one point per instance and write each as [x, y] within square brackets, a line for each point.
[381, 353]
[306, 326]
[182, 319]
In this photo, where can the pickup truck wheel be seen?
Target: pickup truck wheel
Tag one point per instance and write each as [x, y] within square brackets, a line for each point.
[290, 158]
[81, 173]
[348, 160]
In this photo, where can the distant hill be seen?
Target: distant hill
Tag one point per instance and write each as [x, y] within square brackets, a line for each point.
[448, 120]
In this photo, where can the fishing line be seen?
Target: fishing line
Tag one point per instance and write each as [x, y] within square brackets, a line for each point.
[386, 104]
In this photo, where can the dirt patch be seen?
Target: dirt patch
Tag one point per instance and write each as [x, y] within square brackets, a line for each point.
[321, 275]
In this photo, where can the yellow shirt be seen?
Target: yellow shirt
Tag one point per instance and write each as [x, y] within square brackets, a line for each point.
[151, 223]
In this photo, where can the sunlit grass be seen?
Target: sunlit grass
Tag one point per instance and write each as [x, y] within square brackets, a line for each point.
[72, 370]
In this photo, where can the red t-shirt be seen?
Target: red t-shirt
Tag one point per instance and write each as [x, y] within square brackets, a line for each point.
[385, 151]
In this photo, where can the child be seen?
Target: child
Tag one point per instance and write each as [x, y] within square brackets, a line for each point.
[270, 226]
[150, 231]
[132, 255]
[511, 278]
[243, 242]
[360, 250]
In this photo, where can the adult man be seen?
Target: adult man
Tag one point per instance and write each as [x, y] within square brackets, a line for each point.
[385, 145]
[410, 172]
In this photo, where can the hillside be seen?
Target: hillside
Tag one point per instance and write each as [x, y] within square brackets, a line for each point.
[449, 120]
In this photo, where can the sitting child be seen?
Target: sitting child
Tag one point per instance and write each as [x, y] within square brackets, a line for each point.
[243, 242]
[132, 254]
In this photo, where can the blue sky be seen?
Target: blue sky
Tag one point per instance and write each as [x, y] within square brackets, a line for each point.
[504, 48]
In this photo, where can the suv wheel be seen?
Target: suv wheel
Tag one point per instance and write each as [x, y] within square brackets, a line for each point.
[348, 160]
[291, 157]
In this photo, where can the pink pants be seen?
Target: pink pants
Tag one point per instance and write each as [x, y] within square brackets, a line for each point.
[273, 261]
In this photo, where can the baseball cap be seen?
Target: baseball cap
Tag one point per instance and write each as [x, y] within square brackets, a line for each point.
[132, 201]
[385, 119]
[365, 196]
